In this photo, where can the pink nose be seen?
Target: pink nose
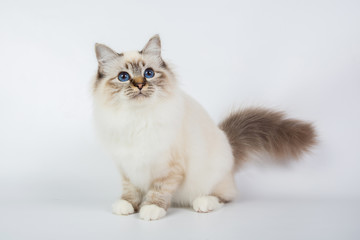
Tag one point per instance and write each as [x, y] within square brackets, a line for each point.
[139, 85]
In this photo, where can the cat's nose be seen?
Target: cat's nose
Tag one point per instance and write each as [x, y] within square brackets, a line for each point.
[139, 85]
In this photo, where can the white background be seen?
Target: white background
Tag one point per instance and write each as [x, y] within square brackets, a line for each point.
[56, 182]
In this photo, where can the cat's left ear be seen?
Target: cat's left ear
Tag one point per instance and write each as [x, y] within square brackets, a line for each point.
[153, 46]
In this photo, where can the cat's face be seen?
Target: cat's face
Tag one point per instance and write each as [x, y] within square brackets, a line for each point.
[134, 77]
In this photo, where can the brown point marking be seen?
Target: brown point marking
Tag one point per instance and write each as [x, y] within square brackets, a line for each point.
[99, 77]
[258, 129]
[138, 80]
[162, 188]
[163, 65]
[131, 193]
[114, 86]
[100, 74]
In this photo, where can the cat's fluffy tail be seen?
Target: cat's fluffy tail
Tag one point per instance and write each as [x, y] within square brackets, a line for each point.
[262, 130]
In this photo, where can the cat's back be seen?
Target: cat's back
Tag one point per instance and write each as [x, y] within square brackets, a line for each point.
[195, 116]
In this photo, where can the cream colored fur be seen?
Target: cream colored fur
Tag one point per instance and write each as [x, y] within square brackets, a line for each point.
[141, 138]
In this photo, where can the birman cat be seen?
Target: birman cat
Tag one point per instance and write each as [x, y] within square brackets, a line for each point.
[166, 147]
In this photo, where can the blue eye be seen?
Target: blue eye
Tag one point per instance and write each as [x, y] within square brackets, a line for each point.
[124, 76]
[149, 73]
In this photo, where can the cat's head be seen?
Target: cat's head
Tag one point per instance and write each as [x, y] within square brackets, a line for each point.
[133, 77]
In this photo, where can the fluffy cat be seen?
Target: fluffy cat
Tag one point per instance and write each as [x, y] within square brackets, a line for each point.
[167, 148]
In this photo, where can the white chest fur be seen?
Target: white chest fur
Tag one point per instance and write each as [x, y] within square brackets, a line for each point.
[140, 139]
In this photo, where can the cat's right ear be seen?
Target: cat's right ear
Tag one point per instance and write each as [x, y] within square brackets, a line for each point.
[104, 54]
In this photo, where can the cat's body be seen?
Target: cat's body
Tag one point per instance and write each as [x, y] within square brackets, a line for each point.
[144, 141]
[167, 148]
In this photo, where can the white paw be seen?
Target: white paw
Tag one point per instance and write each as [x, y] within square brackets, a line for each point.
[151, 212]
[206, 204]
[122, 207]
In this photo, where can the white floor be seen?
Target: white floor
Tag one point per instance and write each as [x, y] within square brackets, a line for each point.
[242, 219]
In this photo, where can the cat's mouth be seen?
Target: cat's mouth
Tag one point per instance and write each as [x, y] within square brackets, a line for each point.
[140, 95]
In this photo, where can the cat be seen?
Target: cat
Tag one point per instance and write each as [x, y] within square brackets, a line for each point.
[165, 145]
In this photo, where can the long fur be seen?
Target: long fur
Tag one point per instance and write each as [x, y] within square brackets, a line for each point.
[167, 148]
[263, 130]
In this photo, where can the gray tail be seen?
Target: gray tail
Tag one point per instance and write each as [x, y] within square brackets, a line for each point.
[262, 130]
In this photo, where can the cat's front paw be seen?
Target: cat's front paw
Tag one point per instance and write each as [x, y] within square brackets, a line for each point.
[206, 204]
[151, 212]
[122, 207]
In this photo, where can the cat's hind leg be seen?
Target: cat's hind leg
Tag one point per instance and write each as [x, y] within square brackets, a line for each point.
[224, 191]
[206, 204]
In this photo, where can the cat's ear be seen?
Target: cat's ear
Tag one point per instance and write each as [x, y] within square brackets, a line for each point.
[104, 54]
[153, 46]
